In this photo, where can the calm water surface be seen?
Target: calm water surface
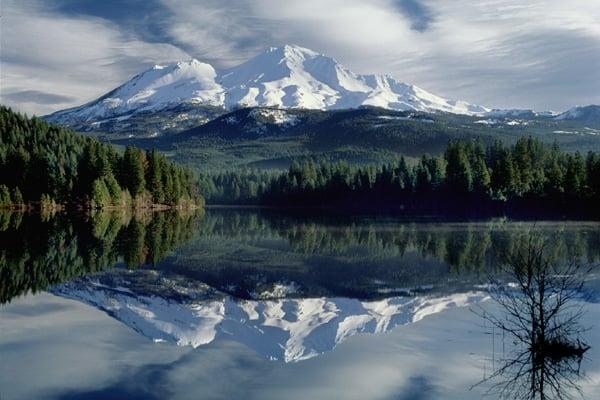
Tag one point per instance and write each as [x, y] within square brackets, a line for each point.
[255, 304]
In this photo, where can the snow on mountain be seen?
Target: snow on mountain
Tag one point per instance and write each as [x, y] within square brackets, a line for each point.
[571, 113]
[288, 329]
[515, 113]
[589, 113]
[295, 77]
[285, 77]
[154, 89]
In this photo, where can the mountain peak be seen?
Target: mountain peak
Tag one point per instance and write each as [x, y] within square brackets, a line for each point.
[289, 50]
[288, 76]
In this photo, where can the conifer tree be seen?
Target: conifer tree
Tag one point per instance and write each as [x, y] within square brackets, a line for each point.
[100, 195]
[133, 171]
[5, 199]
[154, 176]
[459, 176]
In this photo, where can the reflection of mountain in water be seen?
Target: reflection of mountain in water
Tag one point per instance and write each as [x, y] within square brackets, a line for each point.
[288, 329]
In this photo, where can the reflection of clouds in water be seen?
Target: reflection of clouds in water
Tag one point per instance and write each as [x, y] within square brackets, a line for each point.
[71, 351]
[418, 388]
[36, 309]
[82, 353]
[68, 349]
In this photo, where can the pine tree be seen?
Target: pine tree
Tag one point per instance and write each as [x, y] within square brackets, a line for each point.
[593, 175]
[133, 171]
[523, 167]
[423, 177]
[114, 190]
[575, 175]
[154, 177]
[503, 179]
[5, 200]
[458, 170]
[481, 176]
[554, 184]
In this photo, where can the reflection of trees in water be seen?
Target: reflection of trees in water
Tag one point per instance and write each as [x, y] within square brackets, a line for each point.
[541, 314]
[252, 250]
[463, 247]
[241, 252]
[39, 251]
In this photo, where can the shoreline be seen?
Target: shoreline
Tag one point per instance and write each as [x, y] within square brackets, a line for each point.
[81, 209]
[332, 211]
[314, 211]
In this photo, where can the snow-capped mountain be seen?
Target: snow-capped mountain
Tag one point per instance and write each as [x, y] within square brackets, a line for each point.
[278, 328]
[157, 88]
[285, 77]
[295, 77]
[589, 113]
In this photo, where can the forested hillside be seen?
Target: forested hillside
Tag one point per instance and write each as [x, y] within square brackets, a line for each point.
[43, 164]
[268, 138]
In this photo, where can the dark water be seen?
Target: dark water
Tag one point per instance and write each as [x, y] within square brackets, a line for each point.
[258, 304]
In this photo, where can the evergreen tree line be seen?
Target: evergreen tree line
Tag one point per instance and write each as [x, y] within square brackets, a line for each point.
[529, 178]
[243, 187]
[44, 163]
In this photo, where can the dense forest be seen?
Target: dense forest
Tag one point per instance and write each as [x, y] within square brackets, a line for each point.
[529, 178]
[242, 187]
[46, 165]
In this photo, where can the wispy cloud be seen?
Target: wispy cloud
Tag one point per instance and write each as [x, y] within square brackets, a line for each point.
[37, 97]
[72, 57]
[542, 54]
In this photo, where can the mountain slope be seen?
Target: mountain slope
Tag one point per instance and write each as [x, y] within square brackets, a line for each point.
[153, 90]
[285, 77]
[272, 137]
[180, 95]
[589, 114]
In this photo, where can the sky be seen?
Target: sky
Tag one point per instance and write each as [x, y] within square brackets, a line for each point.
[539, 54]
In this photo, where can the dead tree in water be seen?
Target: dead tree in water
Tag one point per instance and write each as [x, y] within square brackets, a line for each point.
[540, 312]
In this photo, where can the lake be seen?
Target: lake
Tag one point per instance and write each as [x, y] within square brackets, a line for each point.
[259, 304]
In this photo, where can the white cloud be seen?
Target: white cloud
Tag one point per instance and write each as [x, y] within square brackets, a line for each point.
[502, 53]
[542, 54]
[75, 58]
